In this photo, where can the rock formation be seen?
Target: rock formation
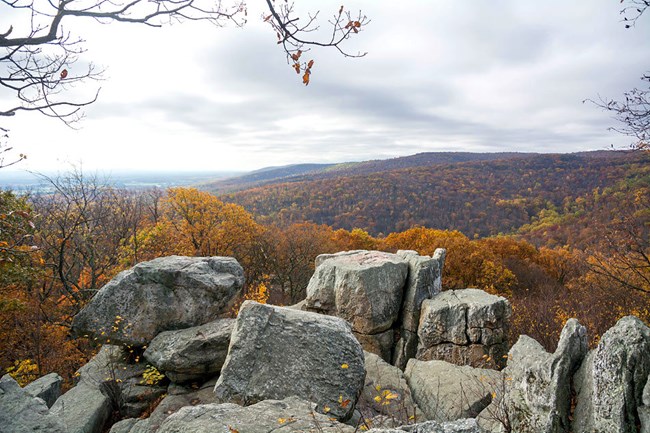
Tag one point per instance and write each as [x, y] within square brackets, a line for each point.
[163, 294]
[278, 352]
[612, 379]
[538, 393]
[192, 353]
[464, 327]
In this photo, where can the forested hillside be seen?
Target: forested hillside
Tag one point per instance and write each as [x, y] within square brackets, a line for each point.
[478, 198]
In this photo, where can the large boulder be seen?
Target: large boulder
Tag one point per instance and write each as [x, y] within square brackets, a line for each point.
[538, 394]
[192, 353]
[163, 294]
[386, 393]
[644, 411]
[611, 381]
[289, 415]
[278, 352]
[448, 392]
[47, 387]
[83, 409]
[21, 412]
[423, 283]
[363, 287]
[465, 327]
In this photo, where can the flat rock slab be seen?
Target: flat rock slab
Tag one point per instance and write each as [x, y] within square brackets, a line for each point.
[21, 412]
[289, 415]
[163, 294]
[460, 426]
[192, 353]
[448, 392]
[363, 287]
[278, 352]
[464, 327]
[47, 387]
[83, 409]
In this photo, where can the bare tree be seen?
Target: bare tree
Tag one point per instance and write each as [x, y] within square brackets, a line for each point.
[37, 54]
[633, 113]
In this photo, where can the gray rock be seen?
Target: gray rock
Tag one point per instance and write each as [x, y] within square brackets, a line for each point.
[386, 393]
[423, 273]
[288, 415]
[47, 387]
[124, 426]
[459, 426]
[362, 287]
[83, 409]
[644, 411]
[538, 395]
[465, 327]
[21, 412]
[448, 392]
[611, 381]
[380, 344]
[163, 294]
[440, 254]
[192, 353]
[277, 352]
[172, 404]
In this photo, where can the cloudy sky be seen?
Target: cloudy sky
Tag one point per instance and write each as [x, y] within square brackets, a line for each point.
[444, 75]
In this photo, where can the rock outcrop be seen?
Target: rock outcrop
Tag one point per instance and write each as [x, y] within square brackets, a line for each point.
[538, 393]
[448, 392]
[464, 327]
[21, 412]
[424, 282]
[612, 380]
[193, 353]
[289, 415]
[47, 387]
[278, 352]
[163, 294]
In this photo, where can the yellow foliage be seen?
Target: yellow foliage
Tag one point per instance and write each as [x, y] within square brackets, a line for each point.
[23, 371]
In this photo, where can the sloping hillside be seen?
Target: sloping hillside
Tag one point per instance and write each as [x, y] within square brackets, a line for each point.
[483, 197]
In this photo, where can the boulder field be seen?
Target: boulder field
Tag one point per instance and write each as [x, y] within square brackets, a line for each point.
[377, 345]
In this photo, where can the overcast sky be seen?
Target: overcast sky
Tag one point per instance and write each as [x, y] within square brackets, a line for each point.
[444, 75]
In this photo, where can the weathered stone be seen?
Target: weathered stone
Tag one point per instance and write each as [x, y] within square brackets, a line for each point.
[136, 399]
[467, 325]
[124, 426]
[611, 381]
[277, 352]
[289, 415]
[163, 294]
[83, 409]
[644, 411]
[172, 404]
[47, 387]
[380, 344]
[192, 353]
[363, 287]
[439, 255]
[21, 412]
[448, 392]
[423, 273]
[386, 393]
[538, 394]
[458, 426]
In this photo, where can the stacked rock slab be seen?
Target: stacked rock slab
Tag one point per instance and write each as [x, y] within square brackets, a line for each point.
[612, 380]
[464, 327]
[538, 385]
[424, 282]
[193, 353]
[363, 287]
[277, 352]
[163, 294]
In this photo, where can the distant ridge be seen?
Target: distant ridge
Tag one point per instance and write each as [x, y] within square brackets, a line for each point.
[478, 194]
[300, 172]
